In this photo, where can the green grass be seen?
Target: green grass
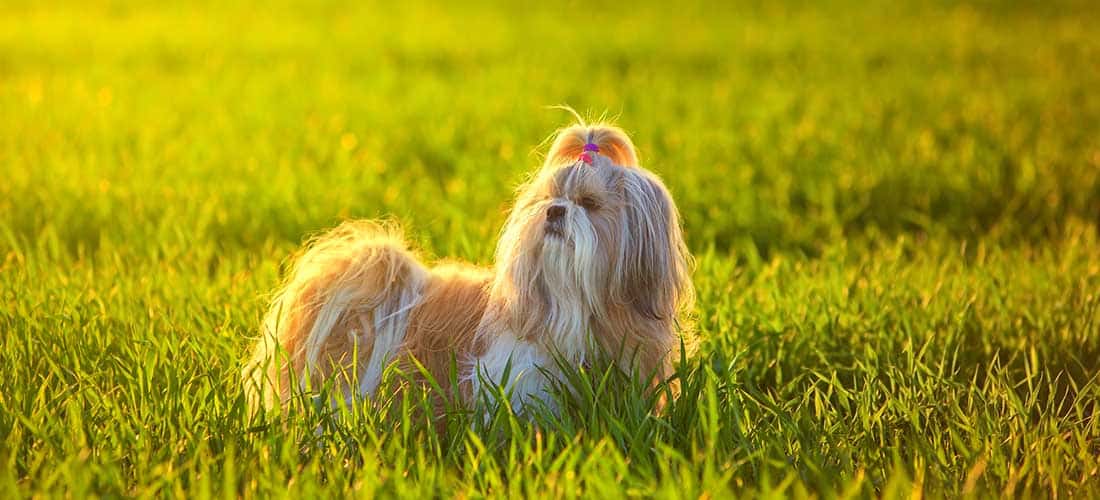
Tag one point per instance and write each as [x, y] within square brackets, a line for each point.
[895, 210]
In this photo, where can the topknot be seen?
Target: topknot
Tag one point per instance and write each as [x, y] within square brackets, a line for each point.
[613, 142]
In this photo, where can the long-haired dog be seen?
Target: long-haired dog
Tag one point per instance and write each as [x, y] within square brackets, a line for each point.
[591, 261]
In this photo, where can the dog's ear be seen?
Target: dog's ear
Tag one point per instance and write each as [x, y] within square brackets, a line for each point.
[650, 285]
[653, 266]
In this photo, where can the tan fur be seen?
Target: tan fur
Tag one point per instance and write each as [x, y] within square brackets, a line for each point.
[356, 268]
[441, 329]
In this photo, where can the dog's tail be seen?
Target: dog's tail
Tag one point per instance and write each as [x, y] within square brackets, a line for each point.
[613, 142]
[340, 316]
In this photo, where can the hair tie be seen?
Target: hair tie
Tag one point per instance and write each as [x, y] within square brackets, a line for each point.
[585, 157]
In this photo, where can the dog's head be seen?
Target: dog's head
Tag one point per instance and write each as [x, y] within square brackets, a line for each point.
[594, 244]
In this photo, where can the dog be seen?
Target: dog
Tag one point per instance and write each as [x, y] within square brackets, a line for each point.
[591, 260]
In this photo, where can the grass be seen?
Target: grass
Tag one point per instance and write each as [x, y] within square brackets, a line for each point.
[894, 209]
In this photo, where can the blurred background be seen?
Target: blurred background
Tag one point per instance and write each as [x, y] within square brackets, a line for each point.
[779, 127]
[894, 207]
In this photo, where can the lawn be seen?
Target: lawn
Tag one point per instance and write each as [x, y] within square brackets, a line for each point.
[895, 210]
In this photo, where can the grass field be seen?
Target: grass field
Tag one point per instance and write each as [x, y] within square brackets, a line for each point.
[895, 210]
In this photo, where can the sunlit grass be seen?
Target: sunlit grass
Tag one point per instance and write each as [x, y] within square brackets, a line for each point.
[894, 210]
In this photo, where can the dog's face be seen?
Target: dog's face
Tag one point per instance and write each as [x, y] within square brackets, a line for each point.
[591, 244]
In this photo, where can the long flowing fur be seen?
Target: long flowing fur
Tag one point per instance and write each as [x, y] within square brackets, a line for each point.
[340, 316]
[591, 260]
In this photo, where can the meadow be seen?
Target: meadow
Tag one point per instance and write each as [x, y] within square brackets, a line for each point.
[895, 210]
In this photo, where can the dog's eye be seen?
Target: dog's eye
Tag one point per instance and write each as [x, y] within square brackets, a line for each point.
[589, 203]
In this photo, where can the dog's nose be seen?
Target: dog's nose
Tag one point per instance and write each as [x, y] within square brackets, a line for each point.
[555, 212]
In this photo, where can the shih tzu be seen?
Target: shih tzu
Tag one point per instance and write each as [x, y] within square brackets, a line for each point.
[591, 261]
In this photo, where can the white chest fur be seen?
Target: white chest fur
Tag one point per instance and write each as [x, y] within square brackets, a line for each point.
[519, 367]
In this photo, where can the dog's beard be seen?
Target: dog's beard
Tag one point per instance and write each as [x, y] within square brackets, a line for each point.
[557, 279]
[571, 278]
